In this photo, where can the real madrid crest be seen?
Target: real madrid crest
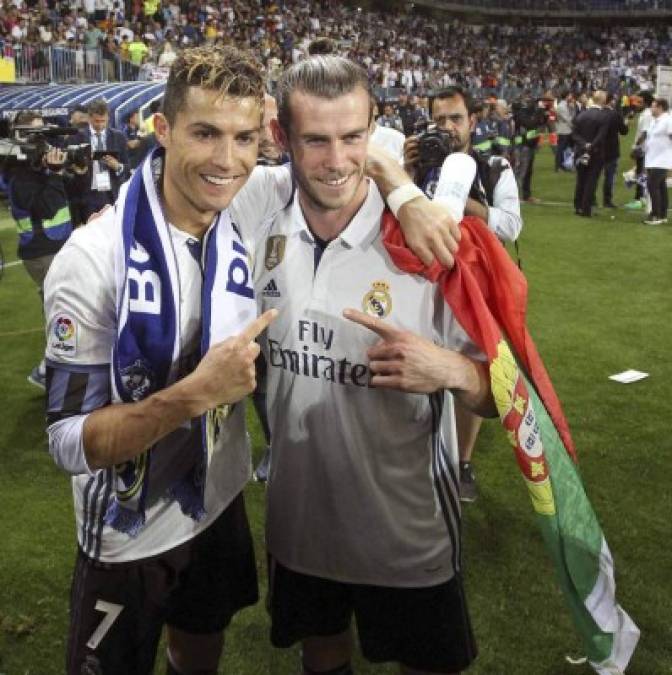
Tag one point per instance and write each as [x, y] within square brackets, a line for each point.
[378, 302]
[275, 250]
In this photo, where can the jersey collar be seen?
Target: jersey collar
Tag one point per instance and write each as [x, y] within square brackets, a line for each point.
[363, 228]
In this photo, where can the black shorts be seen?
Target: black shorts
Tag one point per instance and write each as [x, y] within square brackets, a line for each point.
[422, 628]
[117, 610]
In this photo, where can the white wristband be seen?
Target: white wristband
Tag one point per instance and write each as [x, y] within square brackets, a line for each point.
[399, 196]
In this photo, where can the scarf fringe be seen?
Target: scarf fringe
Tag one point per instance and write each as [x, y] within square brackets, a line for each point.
[190, 498]
[124, 520]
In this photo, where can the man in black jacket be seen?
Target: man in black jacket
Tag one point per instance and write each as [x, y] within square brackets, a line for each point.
[615, 126]
[589, 133]
[99, 185]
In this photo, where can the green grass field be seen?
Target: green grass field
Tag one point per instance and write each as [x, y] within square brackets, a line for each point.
[600, 303]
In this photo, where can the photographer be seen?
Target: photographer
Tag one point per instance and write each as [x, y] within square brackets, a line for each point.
[529, 117]
[39, 206]
[493, 198]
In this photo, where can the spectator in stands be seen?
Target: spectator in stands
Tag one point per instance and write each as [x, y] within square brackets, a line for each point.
[151, 9]
[167, 55]
[398, 49]
[100, 184]
[93, 36]
[124, 48]
[110, 53]
[146, 70]
[137, 50]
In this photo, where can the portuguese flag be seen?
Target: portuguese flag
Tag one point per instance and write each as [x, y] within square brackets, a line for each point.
[488, 295]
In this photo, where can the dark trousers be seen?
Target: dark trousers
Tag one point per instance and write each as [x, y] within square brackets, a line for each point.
[523, 171]
[586, 182]
[656, 181]
[610, 169]
[639, 170]
[564, 142]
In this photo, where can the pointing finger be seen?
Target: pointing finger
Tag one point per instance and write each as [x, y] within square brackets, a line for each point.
[259, 325]
[379, 327]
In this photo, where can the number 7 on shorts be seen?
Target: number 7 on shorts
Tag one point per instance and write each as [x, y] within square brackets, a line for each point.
[112, 611]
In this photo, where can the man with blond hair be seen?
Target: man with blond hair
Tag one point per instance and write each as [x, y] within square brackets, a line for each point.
[151, 328]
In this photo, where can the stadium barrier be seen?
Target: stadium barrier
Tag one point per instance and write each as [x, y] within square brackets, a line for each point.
[43, 63]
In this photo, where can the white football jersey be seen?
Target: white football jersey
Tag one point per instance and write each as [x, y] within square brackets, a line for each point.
[363, 485]
[81, 330]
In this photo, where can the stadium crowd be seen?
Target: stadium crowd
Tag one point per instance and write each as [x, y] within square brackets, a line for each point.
[405, 50]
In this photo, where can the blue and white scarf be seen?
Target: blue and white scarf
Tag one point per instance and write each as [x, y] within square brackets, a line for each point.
[146, 353]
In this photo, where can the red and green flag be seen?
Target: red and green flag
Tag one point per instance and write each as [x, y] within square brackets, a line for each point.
[487, 294]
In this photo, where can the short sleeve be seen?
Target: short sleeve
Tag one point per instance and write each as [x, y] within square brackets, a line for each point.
[79, 297]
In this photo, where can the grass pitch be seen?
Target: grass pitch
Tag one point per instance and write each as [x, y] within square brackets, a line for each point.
[599, 304]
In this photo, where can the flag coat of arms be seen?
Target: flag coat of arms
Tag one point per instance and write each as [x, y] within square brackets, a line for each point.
[487, 294]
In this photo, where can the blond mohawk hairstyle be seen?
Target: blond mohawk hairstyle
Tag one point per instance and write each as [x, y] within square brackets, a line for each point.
[227, 70]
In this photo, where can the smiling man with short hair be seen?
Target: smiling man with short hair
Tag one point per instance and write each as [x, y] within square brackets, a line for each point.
[151, 319]
[359, 461]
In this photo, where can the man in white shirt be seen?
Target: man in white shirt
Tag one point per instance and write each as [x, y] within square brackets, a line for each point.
[565, 113]
[643, 122]
[362, 515]
[191, 571]
[658, 159]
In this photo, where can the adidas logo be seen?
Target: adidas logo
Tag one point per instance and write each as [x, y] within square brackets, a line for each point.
[271, 290]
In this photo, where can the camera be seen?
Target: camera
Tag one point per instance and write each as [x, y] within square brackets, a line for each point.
[583, 159]
[27, 146]
[434, 145]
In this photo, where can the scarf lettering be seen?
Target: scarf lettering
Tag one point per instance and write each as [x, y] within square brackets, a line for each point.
[239, 274]
[144, 286]
[144, 291]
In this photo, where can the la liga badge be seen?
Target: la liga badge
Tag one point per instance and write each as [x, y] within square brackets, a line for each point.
[63, 334]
